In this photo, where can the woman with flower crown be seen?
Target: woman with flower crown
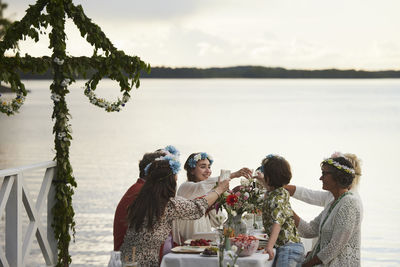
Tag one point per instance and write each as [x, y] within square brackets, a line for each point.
[198, 170]
[151, 216]
[323, 198]
[338, 226]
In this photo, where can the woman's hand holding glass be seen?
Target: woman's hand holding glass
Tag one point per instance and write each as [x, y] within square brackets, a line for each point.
[245, 172]
[222, 186]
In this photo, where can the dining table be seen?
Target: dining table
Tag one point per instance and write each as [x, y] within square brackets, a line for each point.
[257, 259]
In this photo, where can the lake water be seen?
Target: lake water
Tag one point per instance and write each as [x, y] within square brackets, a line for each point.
[237, 121]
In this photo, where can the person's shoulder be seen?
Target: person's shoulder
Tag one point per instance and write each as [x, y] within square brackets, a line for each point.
[280, 193]
[177, 200]
[351, 200]
[186, 184]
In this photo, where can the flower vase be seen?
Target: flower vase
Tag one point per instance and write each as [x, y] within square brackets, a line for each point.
[255, 225]
[235, 226]
[239, 226]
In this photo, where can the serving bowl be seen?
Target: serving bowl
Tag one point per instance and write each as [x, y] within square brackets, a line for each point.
[246, 244]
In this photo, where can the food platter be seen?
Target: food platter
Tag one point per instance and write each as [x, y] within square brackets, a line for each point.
[207, 242]
[188, 249]
[261, 237]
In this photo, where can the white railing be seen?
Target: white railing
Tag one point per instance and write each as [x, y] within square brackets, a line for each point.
[14, 194]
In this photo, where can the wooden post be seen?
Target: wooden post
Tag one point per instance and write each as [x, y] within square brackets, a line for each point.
[13, 225]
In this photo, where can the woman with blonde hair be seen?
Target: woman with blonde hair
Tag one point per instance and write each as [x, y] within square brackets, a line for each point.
[323, 198]
[338, 226]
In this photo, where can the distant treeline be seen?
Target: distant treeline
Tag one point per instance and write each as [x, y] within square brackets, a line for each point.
[249, 72]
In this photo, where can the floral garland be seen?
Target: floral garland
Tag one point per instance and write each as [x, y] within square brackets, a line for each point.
[101, 102]
[337, 165]
[199, 156]
[12, 107]
[113, 64]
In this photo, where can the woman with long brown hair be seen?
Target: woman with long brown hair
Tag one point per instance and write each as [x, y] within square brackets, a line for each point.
[150, 217]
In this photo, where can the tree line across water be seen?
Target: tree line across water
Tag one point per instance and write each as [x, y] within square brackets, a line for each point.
[241, 72]
[247, 72]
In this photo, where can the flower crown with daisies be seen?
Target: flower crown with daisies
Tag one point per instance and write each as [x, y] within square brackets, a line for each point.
[199, 156]
[331, 161]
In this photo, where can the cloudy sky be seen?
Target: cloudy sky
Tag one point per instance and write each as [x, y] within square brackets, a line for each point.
[307, 34]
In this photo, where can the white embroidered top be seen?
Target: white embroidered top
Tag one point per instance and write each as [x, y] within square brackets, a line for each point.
[192, 190]
[340, 235]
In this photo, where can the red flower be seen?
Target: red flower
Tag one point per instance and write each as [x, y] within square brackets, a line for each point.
[231, 200]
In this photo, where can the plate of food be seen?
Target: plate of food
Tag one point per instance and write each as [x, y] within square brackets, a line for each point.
[209, 252]
[188, 249]
[261, 237]
[199, 242]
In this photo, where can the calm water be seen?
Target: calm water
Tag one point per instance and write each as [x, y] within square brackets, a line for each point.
[236, 121]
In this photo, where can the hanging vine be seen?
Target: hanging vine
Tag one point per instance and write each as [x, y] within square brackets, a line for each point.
[110, 63]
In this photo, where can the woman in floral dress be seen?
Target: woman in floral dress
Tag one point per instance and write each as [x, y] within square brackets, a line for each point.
[150, 217]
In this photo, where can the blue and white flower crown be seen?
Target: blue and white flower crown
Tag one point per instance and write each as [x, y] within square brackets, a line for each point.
[173, 161]
[337, 165]
[172, 150]
[199, 156]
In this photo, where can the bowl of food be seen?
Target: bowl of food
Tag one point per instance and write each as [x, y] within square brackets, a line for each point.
[209, 252]
[246, 244]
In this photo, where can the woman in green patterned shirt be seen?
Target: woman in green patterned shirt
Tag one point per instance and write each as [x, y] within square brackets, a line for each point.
[277, 213]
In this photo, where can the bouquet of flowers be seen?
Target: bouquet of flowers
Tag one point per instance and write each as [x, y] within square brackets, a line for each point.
[247, 197]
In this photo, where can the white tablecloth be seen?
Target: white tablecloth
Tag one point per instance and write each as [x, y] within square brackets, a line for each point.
[195, 260]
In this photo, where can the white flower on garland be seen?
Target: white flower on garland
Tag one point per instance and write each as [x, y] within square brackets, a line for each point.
[69, 128]
[62, 136]
[125, 98]
[234, 213]
[58, 61]
[55, 97]
[65, 82]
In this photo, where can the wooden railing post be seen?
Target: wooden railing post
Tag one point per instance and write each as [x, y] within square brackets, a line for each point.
[50, 204]
[13, 222]
[14, 197]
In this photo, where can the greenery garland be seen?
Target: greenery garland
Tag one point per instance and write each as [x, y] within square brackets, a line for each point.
[110, 63]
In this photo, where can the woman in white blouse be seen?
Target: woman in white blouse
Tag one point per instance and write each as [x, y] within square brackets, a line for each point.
[198, 169]
[338, 226]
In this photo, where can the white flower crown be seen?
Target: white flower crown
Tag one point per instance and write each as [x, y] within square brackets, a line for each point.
[339, 166]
